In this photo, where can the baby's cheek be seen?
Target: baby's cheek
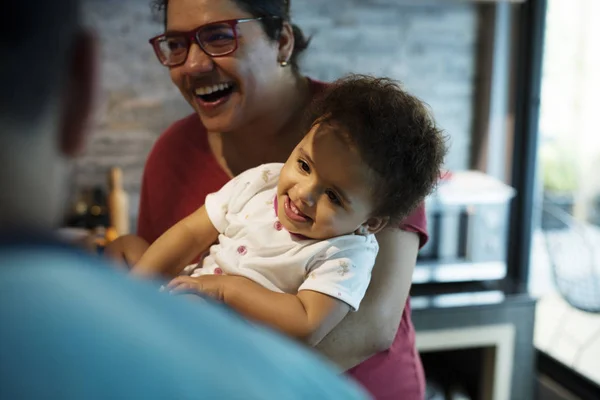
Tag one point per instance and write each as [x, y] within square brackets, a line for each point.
[337, 223]
[283, 174]
[325, 219]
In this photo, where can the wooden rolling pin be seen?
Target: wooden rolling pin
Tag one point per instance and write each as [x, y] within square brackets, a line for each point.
[118, 202]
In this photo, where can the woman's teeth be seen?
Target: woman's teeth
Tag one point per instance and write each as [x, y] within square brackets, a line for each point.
[211, 89]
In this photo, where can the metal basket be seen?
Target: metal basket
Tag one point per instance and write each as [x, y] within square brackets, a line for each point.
[575, 259]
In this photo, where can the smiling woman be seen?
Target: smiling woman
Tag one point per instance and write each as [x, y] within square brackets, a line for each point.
[216, 39]
[229, 37]
[261, 120]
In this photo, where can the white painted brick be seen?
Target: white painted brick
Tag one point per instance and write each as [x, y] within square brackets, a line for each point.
[427, 44]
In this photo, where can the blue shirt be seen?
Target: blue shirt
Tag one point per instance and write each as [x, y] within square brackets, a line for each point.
[72, 327]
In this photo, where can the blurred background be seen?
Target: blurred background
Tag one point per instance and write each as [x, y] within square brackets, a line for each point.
[506, 294]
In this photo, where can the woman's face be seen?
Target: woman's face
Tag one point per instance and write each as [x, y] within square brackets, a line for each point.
[252, 69]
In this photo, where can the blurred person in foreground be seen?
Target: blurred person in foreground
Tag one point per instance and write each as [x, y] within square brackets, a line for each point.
[71, 327]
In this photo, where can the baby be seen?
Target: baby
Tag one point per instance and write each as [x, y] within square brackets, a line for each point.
[295, 242]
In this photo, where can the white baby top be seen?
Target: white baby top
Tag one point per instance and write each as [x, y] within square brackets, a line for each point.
[253, 243]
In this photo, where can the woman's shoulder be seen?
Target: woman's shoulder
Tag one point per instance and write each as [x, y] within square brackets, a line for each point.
[316, 86]
[181, 137]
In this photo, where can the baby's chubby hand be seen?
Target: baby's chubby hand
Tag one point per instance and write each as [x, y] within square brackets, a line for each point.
[214, 286]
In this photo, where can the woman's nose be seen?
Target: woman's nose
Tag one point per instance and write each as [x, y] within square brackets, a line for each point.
[197, 61]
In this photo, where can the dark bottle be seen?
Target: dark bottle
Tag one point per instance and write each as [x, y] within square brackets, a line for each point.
[97, 215]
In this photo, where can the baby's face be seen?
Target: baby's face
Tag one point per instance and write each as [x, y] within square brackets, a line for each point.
[324, 188]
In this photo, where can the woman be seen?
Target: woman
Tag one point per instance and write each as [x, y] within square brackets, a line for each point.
[241, 78]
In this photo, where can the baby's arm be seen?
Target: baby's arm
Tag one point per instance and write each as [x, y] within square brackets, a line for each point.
[336, 283]
[307, 316]
[171, 252]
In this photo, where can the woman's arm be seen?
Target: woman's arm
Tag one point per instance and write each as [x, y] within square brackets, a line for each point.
[372, 329]
[172, 251]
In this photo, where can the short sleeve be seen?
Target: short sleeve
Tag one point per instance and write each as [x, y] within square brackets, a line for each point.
[417, 223]
[217, 203]
[344, 275]
[238, 191]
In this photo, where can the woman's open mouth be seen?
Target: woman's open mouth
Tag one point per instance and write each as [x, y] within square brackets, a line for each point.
[214, 95]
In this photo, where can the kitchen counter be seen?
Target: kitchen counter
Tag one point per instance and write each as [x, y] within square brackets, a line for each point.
[496, 318]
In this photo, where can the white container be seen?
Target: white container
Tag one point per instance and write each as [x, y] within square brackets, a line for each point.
[468, 218]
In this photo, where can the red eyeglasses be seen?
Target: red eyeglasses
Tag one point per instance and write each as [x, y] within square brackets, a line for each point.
[216, 39]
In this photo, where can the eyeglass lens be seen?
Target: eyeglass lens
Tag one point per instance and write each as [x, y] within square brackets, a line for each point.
[215, 39]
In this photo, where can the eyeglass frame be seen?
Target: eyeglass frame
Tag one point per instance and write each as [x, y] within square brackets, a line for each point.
[192, 37]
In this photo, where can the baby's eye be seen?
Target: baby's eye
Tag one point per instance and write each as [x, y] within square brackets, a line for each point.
[303, 165]
[333, 197]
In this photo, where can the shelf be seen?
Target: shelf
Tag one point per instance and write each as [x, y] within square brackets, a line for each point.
[458, 271]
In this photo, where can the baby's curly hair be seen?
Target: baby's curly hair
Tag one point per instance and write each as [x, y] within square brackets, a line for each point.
[395, 135]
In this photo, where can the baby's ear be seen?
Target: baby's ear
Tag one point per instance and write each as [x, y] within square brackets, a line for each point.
[372, 226]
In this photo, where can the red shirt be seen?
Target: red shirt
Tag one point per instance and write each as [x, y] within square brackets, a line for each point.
[181, 171]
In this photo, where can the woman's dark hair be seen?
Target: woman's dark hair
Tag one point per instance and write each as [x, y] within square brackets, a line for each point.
[393, 132]
[280, 9]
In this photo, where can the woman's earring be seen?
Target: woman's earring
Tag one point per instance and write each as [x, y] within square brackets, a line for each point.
[283, 63]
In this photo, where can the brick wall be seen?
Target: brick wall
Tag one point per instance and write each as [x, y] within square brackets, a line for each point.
[429, 45]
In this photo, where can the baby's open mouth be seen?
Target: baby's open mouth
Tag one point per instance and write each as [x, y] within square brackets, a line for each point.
[213, 93]
[293, 213]
[296, 211]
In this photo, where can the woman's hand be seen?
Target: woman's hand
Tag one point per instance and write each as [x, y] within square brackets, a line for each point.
[126, 250]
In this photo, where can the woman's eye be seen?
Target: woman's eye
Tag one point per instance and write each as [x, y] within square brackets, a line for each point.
[333, 198]
[215, 37]
[303, 166]
[172, 45]
[175, 44]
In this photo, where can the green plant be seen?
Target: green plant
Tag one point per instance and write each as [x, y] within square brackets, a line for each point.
[559, 170]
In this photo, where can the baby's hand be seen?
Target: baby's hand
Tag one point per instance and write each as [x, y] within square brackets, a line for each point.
[126, 250]
[210, 285]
